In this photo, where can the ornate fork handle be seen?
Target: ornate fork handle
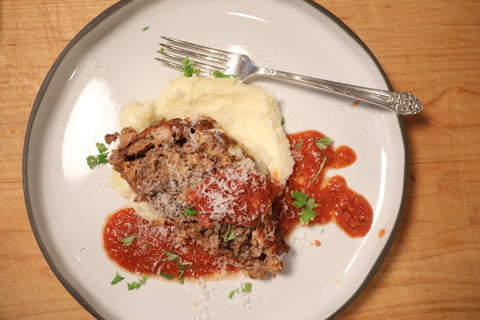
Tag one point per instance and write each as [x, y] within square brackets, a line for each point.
[402, 103]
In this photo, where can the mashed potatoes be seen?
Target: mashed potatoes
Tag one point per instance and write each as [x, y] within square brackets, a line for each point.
[249, 114]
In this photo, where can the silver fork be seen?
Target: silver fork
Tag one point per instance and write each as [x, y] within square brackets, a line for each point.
[208, 60]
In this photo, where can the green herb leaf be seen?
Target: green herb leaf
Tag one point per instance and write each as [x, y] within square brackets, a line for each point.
[307, 215]
[282, 122]
[188, 67]
[180, 276]
[128, 240]
[166, 275]
[190, 212]
[101, 147]
[218, 74]
[301, 200]
[300, 143]
[323, 142]
[117, 278]
[170, 256]
[247, 287]
[321, 168]
[137, 284]
[182, 265]
[145, 29]
[100, 158]
[230, 234]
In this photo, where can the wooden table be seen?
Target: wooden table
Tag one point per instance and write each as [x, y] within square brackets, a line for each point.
[429, 47]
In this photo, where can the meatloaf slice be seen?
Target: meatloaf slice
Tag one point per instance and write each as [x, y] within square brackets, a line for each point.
[181, 166]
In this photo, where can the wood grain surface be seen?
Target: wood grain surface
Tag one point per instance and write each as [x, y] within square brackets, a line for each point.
[428, 47]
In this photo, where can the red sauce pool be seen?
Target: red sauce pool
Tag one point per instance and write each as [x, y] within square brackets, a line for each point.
[146, 254]
[335, 201]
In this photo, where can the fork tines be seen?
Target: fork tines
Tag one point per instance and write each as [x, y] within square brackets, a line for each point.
[205, 58]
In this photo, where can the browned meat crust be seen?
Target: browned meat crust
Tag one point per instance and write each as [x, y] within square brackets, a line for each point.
[166, 161]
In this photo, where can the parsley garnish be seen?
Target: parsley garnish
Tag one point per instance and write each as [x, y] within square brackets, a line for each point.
[282, 122]
[174, 257]
[323, 142]
[319, 170]
[300, 143]
[170, 256]
[128, 240]
[166, 275]
[145, 29]
[180, 276]
[230, 234]
[117, 278]
[301, 200]
[218, 74]
[247, 287]
[100, 158]
[188, 69]
[137, 284]
[190, 212]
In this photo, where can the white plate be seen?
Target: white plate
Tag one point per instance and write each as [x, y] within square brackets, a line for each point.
[111, 61]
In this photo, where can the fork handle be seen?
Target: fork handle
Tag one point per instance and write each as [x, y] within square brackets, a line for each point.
[402, 103]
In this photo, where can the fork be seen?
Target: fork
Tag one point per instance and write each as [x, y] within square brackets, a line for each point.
[210, 60]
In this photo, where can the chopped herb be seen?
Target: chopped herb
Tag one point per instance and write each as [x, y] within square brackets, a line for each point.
[300, 143]
[100, 158]
[137, 284]
[166, 275]
[174, 257]
[190, 212]
[145, 28]
[282, 122]
[319, 170]
[180, 276]
[218, 74]
[188, 69]
[170, 256]
[301, 200]
[323, 142]
[117, 278]
[182, 265]
[230, 234]
[146, 244]
[307, 215]
[128, 240]
[162, 49]
[247, 287]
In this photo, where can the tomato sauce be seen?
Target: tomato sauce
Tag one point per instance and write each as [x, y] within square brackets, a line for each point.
[334, 201]
[249, 198]
[147, 253]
